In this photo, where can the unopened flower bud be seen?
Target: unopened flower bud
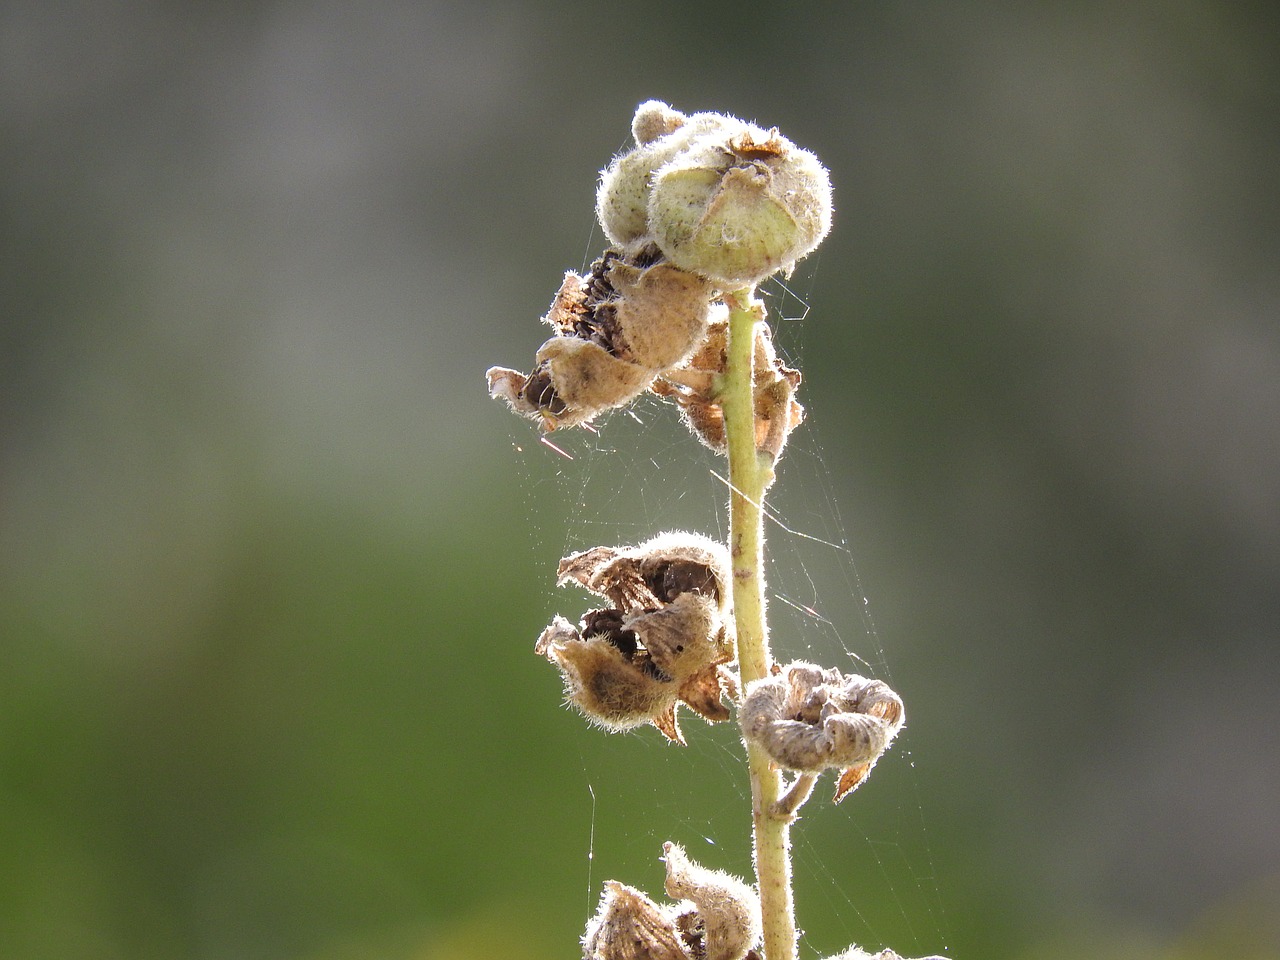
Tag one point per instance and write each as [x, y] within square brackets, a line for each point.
[809, 720]
[622, 200]
[728, 908]
[738, 208]
[654, 119]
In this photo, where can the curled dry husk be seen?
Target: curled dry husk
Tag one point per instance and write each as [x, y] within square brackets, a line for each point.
[809, 719]
[717, 917]
[617, 327]
[693, 386]
[664, 641]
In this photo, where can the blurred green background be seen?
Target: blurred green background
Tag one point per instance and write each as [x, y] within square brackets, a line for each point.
[272, 565]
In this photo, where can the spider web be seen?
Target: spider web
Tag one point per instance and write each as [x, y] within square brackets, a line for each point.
[637, 472]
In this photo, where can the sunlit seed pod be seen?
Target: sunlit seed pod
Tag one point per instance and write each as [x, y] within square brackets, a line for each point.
[729, 909]
[655, 571]
[608, 684]
[737, 209]
[660, 313]
[664, 643]
[693, 386]
[630, 926]
[617, 327]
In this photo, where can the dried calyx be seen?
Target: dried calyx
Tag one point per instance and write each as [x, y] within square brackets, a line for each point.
[664, 641]
[694, 383]
[617, 327]
[809, 720]
[717, 917]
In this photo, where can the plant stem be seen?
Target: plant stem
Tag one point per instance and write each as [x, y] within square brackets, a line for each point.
[750, 474]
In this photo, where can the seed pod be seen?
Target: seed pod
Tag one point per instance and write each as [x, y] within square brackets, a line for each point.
[717, 918]
[664, 642]
[630, 926]
[616, 328]
[809, 720]
[740, 207]
[728, 908]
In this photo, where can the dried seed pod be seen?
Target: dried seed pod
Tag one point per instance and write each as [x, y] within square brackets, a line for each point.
[656, 571]
[728, 909]
[630, 926]
[664, 642]
[693, 387]
[809, 720]
[717, 918]
[616, 327]
[738, 204]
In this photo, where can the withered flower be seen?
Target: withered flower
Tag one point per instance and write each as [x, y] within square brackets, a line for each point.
[809, 720]
[616, 328]
[717, 918]
[693, 385]
[664, 641]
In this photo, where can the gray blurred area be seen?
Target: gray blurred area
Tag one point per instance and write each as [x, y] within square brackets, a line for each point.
[272, 565]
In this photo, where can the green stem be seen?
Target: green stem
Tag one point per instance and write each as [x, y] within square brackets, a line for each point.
[750, 474]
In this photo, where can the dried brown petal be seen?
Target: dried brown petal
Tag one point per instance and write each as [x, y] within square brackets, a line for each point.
[728, 908]
[630, 926]
[809, 720]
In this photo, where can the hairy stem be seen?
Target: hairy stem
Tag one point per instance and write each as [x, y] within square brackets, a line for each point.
[750, 474]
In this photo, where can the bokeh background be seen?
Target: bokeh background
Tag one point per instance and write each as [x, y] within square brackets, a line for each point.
[271, 563]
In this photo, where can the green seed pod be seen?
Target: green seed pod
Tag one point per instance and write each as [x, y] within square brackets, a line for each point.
[736, 209]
